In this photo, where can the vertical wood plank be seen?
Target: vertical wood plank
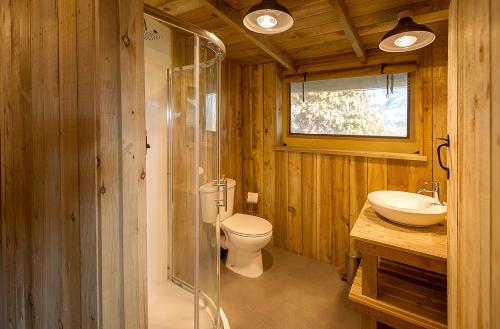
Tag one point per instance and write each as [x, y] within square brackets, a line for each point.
[88, 160]
[341, 211]
[325, 216]
[294, 225]
[420, 172]
[452, 197]
[5, 72]
[397, 175]
[358, 178]
[257, 127]
[247, 91]
[495, 163]
[370, 276]
[47, 292]
[68, 88]
[237, 109]
[280, 230]
[309, 195]
[269, 120]
[439, 106]
[474, 165]
[132, 161]
[377, 174]
[109, 153]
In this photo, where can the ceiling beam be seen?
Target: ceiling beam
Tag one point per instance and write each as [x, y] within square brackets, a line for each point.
[234, 19]
[349, 29]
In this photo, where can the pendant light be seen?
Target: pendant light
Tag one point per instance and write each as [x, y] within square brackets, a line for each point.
[268, 17]
[406, 36]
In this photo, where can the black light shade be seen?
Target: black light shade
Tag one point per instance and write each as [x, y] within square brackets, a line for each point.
[268, 17]
[407, 36]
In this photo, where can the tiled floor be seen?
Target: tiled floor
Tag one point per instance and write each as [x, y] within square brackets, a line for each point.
[294, 292]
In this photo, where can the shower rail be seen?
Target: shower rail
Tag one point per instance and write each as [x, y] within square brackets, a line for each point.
[220, 48]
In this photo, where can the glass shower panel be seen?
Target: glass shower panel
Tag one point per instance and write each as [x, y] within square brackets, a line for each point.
[209, 238]
[182, 168]
[182, 67]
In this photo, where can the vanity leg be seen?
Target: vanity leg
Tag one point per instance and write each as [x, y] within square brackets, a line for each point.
[368, 323]
[369, 285]
[370, 275]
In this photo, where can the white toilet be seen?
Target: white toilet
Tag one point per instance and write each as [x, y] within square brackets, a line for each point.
[245, 235]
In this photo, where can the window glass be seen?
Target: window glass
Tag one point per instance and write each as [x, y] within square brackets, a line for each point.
[375, 106]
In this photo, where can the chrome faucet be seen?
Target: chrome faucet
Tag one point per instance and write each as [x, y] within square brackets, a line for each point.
[435, 191]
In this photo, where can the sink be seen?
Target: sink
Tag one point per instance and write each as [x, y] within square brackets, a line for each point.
[406, 208]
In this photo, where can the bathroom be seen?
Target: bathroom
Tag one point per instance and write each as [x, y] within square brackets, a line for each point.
[249, 164]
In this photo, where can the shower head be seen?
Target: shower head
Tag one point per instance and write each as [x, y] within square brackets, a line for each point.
[151, 35]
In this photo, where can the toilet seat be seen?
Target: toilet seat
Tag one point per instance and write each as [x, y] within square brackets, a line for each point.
[247, 225]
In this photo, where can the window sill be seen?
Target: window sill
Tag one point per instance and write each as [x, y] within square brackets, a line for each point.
[368, 154]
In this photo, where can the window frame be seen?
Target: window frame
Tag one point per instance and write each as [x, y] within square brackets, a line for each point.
[408, 116]
[390, 144]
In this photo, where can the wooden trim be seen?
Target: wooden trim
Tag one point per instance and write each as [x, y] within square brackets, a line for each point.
[425, 262]
[349, 29]
[368, 154]
[410, 145]
[235, 19]
[375, 57]
[409, 67]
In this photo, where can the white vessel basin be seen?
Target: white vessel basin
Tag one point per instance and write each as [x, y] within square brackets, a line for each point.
[407, 208]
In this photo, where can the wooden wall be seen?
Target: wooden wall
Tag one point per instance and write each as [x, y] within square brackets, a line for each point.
[474, 127]
[313, 199]
[72, 165]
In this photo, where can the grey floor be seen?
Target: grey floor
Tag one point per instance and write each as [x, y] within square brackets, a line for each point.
[294, 292]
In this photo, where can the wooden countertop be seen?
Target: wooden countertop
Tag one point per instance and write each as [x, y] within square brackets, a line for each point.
[430, 242]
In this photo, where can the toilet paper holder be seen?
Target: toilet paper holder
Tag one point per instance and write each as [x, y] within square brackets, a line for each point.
[252, 200]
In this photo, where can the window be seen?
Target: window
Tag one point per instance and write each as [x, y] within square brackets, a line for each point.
[211, 112]
[369, 106]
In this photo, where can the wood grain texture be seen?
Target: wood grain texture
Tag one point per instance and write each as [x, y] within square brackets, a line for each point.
[473, 157]
[430, 242]
[309, 199]
[341, 181]
[294, 224]
[401, 303]
[61, 97]
[350, 30]
[318, 32]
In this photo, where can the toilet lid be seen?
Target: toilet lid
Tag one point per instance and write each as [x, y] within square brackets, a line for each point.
[247, 225]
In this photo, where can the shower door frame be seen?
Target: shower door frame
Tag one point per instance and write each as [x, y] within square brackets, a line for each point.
[219, 50]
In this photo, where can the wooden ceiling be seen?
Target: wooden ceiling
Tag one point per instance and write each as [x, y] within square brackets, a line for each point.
[323, 29]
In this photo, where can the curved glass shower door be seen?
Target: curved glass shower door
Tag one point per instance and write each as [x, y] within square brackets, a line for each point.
[187, 296]
[209, 247]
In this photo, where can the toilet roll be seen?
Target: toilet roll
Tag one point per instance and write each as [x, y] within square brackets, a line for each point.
[252, 198]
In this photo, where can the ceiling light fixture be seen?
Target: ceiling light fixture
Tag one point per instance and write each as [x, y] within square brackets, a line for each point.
[268, 17]
[406, 36]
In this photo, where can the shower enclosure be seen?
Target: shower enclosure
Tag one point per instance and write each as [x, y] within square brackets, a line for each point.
[182, 86]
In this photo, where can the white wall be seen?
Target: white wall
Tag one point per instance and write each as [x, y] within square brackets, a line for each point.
[157, 59]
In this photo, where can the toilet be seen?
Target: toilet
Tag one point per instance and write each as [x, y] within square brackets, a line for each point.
[244, 235]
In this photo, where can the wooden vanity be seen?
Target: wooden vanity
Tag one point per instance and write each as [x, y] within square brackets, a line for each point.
[402, 278]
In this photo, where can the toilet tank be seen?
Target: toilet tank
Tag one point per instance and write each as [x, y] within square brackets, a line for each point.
[208, 197]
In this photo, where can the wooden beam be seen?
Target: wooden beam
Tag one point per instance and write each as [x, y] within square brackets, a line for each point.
[234, 19]
[349, 29]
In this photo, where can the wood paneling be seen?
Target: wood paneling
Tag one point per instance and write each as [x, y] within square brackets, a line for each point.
[72, 165]
[317, 197]
[231, 128]
[473, 210]
[319, 29]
